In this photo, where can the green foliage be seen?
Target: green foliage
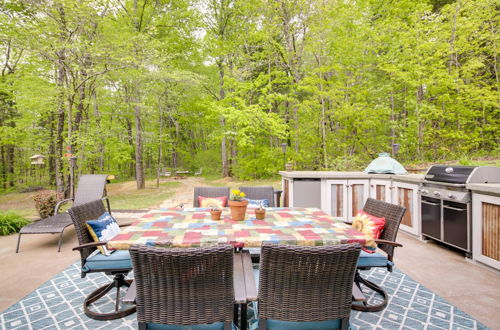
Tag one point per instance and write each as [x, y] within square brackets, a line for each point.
[191, 83]
[11, 222]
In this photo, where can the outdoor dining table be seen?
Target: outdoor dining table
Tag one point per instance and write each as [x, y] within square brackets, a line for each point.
[193, 227]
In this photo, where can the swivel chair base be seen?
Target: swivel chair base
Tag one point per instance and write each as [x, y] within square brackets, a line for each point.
[358, 280]
[118, 282]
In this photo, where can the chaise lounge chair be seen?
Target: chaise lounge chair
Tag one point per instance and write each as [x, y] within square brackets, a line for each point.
[90, 188]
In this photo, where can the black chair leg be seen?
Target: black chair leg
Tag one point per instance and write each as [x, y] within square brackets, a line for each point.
[358, 280]
[18, 241]
[243, 316]
[118, 282]
[236, 312]
[60, 241]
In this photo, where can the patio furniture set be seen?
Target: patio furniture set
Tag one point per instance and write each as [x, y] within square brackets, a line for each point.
[190, 270]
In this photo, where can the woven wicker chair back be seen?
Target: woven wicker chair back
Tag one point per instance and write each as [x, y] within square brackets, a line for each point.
[263, 192]
[393, 215]
[209, 192]
[90, 188]
[184, 286]
[303, 283]
[80, 215]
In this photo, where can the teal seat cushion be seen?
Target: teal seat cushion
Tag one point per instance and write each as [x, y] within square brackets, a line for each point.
[372, 260]
[212, 326]
[318, 325]
[119, 259]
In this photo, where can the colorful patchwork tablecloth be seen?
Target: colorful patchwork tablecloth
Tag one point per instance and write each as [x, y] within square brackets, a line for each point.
[194, 228]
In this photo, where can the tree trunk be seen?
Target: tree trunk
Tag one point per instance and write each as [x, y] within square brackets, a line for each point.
[160, 147]
[58, 148]
[223, 145]
[139, 168]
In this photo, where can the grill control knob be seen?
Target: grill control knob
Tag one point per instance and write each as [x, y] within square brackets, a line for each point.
[437, 193]
[451, 196]
[424, 191]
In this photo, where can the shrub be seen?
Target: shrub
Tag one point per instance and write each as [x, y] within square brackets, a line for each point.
[11, 222]
[45, 203]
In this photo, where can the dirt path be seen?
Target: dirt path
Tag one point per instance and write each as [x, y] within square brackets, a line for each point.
[184, 193]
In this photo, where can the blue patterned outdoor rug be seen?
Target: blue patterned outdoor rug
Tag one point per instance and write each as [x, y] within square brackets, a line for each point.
[58, 304]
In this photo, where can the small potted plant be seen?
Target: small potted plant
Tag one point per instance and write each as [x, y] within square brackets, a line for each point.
[237, 205]
[215, 213]
[260, 212]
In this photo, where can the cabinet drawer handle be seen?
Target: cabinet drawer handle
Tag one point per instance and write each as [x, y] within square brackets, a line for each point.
[430, 203]
[453, 208]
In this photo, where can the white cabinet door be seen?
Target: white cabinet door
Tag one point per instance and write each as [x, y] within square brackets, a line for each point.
[344, 198]
[358, 192]
[381, 190]
[486, 229]
[336, 198]
[405, 194]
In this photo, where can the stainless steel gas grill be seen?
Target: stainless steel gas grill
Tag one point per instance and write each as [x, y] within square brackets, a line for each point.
[446, 202]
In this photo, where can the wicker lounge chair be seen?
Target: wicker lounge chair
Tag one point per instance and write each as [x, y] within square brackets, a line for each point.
[117, 264]
[209, 192]
[196, 285]
[393, 215]
[90, 188]
[263, 192]
[306, 284]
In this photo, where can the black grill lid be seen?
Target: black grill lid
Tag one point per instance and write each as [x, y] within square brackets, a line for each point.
[449, 173]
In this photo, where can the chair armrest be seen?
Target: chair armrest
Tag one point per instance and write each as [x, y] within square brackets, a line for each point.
[107, 203]
[383, 241]
[58, 205]
[88, 245]
[131, 294]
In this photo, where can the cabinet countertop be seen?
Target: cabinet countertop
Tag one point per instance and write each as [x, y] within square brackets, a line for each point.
[487, 188]
[414, 178]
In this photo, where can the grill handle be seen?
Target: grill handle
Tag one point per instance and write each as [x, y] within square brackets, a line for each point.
[430, 203]
[454, 208]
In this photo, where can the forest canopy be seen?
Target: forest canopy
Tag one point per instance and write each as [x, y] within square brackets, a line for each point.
[138, 87]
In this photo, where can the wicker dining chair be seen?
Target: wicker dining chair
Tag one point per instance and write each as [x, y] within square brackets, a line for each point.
[393, 215]
[263, 192]
[190, 286]
[310, 284]
[90, 187]
[209, 192]
[117, 264]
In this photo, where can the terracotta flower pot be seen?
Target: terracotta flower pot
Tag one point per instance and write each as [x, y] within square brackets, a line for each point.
[260, 214]
[238, 209]
[215, 214]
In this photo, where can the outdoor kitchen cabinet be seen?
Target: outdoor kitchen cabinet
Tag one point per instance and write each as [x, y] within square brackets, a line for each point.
[406, 194]
[486, 228]
[343, 194]
[345, 197]
[380, 189]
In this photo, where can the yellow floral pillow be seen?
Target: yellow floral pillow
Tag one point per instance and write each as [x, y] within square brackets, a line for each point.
[212, 202]
[371, 226]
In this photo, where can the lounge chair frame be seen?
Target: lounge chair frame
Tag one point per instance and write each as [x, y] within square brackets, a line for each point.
[90, 188]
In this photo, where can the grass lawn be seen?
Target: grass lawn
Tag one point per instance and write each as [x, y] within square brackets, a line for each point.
[122, 195]
[125, 196]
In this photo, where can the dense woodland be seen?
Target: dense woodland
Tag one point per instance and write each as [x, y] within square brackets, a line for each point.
[137, 87]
